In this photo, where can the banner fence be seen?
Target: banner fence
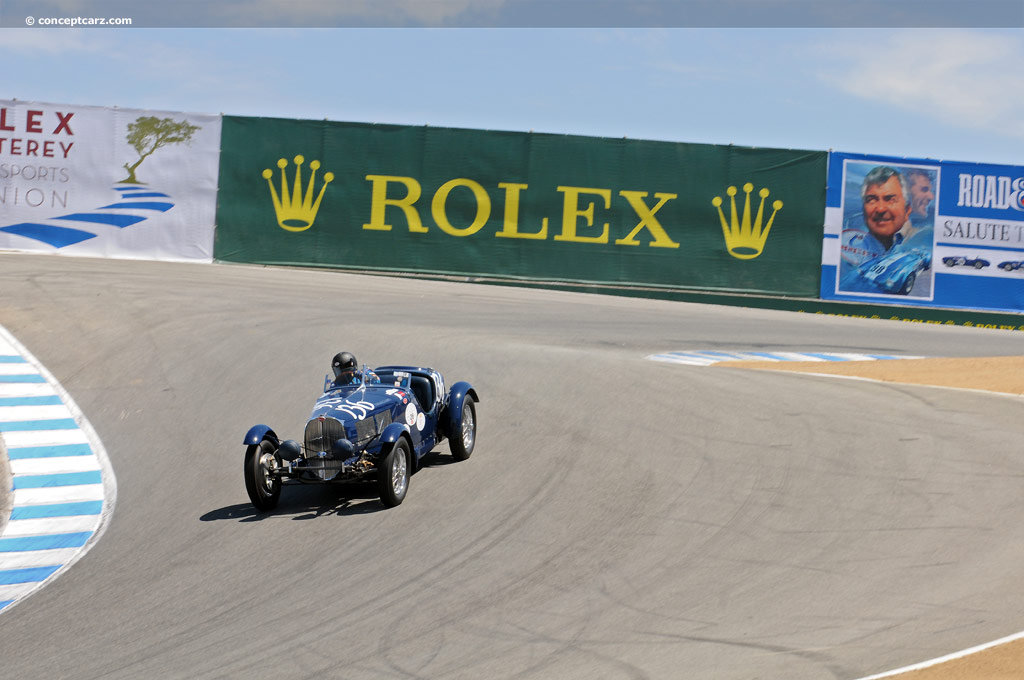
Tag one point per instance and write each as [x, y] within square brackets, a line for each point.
[518, 205]
[924, 233]
[106, 182]
[597, 213]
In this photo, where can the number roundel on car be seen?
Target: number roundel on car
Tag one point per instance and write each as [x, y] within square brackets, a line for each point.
[410, 415]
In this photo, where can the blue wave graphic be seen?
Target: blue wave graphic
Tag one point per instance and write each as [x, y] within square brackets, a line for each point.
[61, 237]
[147, 194]
[58, 237]
[104, 218]
[162, 207]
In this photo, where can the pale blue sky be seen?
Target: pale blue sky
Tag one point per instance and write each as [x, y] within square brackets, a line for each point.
[951, 94]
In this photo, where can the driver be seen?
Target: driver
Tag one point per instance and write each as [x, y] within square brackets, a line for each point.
[346, 370]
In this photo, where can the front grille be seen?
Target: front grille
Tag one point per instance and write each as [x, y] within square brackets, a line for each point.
[321, 433]
[319, 469]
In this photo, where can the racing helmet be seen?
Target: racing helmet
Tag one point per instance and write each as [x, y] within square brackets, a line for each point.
[343, 363]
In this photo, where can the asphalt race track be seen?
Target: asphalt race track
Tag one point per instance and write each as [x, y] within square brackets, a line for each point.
[620, 518]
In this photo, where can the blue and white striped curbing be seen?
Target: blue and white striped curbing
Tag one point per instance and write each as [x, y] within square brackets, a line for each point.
[709, 357]
[62, 484]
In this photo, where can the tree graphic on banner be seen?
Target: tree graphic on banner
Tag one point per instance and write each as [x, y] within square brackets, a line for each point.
[149, 133]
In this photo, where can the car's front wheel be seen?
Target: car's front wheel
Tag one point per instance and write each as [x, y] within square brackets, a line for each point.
[393, 475]
[464, 438]
[263, 487]
[908, 285]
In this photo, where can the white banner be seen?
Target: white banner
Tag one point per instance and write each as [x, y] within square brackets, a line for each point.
[102, 182]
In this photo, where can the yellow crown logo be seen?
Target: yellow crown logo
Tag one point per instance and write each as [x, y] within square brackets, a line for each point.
[296, 212]
[745, 240]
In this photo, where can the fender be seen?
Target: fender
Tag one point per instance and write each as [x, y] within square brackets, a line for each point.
[456, 398]
[258, 433]
[393, 432]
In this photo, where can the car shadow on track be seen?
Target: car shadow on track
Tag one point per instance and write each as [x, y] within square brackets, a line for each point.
[435, 459]
[310, 501]
[304, 502]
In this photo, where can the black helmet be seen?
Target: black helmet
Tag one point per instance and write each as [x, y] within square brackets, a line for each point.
[343, 362]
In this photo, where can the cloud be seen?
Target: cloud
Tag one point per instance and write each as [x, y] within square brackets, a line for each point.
[964, 78]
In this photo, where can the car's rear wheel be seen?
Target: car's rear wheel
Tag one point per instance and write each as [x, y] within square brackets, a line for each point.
[464, 438]
[263, 487]
[393, 475]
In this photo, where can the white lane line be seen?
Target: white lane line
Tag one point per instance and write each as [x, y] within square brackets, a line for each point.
[42, 466]
[11, 368]
[708, 357]
[63, 487]
[39, 558]
[949, 657]
[51, 525]
[9, 414]
[17, 440]
[25, 389]
[60, 494]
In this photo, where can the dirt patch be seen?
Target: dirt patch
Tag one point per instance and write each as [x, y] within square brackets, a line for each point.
[993, 374]
[999, 663]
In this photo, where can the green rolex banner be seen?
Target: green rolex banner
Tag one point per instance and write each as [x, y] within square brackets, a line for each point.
[521, 206]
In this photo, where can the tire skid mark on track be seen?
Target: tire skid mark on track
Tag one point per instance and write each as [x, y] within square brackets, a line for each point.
[402, 596]
[905, 386]
[399, 596]
[512, 521]
[293, 574]
[575, 637]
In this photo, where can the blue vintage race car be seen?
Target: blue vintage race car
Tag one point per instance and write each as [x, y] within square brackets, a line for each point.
[962, 261]
[374, 425]
[1012, 265]
[897, 270]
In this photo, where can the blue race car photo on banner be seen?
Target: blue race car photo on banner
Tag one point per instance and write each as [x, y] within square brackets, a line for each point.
[923, 232]
[887, 240]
